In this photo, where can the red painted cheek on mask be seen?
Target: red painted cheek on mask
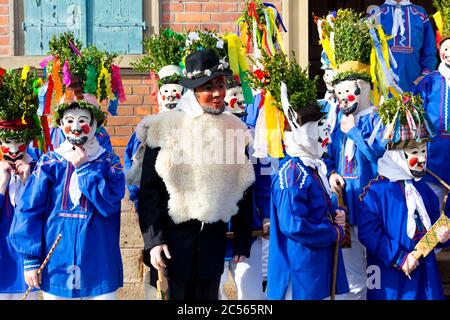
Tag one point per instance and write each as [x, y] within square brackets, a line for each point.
[351, 98]
[22, 148]
[325, 142]
[85, 128]
[5, 150]
[164, 98]
[178, 96]
[413, 161]
[233, 102]
[67, 129]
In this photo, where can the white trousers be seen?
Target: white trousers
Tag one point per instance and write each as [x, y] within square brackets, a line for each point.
[107, 296]
[18, 296]
[248, 275]
[355, 261]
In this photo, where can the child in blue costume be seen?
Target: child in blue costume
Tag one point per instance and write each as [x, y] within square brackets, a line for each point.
[76, 191]
[413, 44]
[397, 209]
[15, 168]
[84, 185]
[355, 142]
[305, 227]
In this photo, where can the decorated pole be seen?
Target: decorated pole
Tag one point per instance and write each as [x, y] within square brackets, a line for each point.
[44, 264]
[162, 286]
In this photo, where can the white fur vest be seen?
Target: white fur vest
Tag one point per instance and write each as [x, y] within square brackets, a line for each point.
[202, 161]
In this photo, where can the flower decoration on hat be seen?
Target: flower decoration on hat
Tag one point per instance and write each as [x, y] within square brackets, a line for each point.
[405, 120]
[19, 104]
[86, 76]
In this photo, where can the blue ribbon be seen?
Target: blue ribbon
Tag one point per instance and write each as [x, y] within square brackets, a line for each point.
[41, 97]
[278, 18]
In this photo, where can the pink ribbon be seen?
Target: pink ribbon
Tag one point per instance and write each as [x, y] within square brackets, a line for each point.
[116, 83]
[45, 61]
[66, 74]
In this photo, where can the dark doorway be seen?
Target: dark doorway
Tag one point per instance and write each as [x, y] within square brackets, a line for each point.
[322, 8]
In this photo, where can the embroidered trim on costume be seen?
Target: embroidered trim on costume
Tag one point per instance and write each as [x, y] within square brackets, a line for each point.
[366, 188]
[72, 215]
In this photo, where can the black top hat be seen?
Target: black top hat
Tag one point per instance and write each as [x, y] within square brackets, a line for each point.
[202, 66]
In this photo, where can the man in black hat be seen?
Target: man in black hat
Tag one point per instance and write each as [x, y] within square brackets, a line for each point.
[194, 178]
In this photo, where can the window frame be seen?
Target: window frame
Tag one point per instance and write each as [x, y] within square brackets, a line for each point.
[17, 58]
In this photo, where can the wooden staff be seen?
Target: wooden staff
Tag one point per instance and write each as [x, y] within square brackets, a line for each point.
[336, 252]
[255, 233]
[43, 264]
[162, 286]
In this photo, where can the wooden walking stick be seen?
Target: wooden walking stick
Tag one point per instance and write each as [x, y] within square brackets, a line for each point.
[336, 251]
[162, 286]
[43, 264]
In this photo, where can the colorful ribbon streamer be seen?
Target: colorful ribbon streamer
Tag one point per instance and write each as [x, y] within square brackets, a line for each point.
[117, 84]
[57, 79]
[275, 127]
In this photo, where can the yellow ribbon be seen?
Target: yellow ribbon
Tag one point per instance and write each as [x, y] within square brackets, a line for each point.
[326, 45]
[106, 76]
[25, 71]
[353, 66]
[439, 22]
[236, 54]
[275, 127]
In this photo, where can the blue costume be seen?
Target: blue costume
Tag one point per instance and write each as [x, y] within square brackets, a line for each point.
[87, 261]
[383, 224]
[363, 167]
[435, 94]
[57, 137]
[130, 150]
[415, 51]
[302, 235]
[11, 263]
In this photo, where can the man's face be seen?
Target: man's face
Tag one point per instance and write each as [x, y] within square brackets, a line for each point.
[328, 79]
[169, 95]
[353, 95]
[12, 149]
[211, 95]
[416, 157]
[444, 51]
[324, 137]
[77, 125]
[234, 100]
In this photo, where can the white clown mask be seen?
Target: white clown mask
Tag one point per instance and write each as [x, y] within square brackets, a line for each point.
[416, 157]
[12, 149]
[324, 137]
[234, 101]
[168, 96]
[353, 95]
[444, 51]
[328, 78]
[78, 125]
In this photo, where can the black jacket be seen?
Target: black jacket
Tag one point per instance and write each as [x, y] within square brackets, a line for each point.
[197, 252]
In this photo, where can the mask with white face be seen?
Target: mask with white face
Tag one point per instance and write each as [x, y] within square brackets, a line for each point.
[353, 95]
[168, 96]
[328, 79]
[324, 137]
[444, 52]
[13, 150]
[416, 157]
[78, 125]
[234, 101]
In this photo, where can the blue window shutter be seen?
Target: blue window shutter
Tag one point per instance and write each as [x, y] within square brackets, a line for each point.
[117, 25]
[44, 18]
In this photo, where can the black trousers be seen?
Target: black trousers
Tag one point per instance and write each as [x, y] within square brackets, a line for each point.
[194, 290]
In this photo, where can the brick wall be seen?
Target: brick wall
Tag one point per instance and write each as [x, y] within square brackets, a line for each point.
[4, 28]
[217, 15]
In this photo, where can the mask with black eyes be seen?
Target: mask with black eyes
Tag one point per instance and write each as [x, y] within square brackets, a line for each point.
[78, 125]
[324, 138]
[13, 150]
[234, 101]
[444, 52]
[416, 157]
[328, 78]
[168, 96]
[353, 95]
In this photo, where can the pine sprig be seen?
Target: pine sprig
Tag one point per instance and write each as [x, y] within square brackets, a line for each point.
[207, 39]
[302, 91]
[351, 37]
[443, 6]
[161, 50]
[400, 104]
